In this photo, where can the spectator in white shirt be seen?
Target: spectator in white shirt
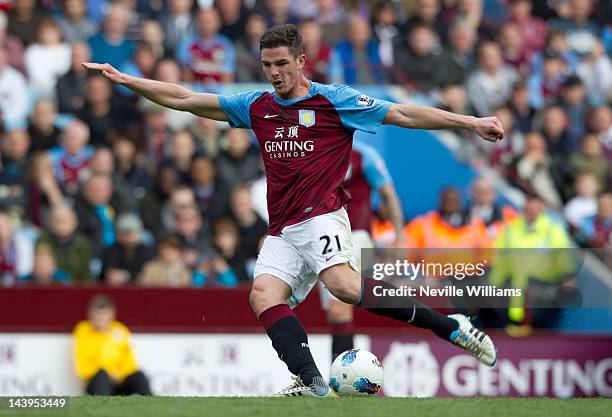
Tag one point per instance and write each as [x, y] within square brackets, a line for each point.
[584, 204]
[13, 94]
[47, 59]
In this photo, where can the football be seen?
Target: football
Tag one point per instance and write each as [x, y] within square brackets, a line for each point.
[356, 372]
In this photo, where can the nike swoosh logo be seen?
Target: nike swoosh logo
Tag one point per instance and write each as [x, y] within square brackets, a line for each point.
[269, 116]
[328, 258]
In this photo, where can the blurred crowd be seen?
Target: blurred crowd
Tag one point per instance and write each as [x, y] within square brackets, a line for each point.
[97, 184]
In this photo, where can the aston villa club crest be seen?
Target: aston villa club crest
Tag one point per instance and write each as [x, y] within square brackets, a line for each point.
[307, 117]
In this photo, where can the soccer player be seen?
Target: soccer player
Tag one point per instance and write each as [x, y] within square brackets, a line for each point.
[366, 173]
[305, 131]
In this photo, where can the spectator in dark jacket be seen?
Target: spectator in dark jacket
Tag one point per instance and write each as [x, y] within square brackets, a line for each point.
[96, 215]
[70, 87]
[239, 163]
[70, 248]
[124, 260]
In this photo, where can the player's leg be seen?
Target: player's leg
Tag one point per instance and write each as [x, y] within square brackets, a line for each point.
[340, 317]
[345, 284]
[278, 279]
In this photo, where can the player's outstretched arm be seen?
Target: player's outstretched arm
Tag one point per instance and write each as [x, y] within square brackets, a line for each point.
[165, 94]
[419, 117]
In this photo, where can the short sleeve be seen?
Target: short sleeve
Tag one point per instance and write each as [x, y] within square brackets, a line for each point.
[237, 107]
[358, 111]
[374, 167]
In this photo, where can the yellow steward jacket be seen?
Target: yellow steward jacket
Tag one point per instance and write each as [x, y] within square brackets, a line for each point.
[109, 350]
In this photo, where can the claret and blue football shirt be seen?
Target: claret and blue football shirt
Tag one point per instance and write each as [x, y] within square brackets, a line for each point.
[306, 145]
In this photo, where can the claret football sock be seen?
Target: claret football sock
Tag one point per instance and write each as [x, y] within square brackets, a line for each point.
[290, 341]
[408, 310]
[342, 338]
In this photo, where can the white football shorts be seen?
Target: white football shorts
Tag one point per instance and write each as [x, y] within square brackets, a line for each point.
[305, 249]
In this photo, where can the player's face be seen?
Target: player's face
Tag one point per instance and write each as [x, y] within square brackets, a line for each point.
[282, 69]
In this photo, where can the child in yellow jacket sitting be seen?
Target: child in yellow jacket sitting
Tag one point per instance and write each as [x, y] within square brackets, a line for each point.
[103, 356]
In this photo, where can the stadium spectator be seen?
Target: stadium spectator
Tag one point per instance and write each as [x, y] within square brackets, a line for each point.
[239, 163]
[532, 270]
[449, 226]
[233, 18]
[278, 13]
[483, 205]
[251, 227]
[11, 44]
[230, 264]
[574, 104]
[167, 269]
[417, 62]
[453, 97]
[13, 94]
[556, 41]
[75, 24]
[71, 249]
[103, 355]
[13, 174]
[164, 183]
[178, 23]
[248, 65]
[554, 128]
[111, 44]
[503, 153]
[584, 203]
[581, 30]
[182, 150]
[458, 60]
[124, 260]
[427, 12]
[194, 235]
[103, 112]
[316, 67]
[181, 198]
[545, 85]
[600, 122]
[511, 41]
[24, 18]
[208, 57]
[16, 249]
[210, 197]
[590, 158]
[386, 29]
[332, 18]
[43, 189]
[471, 12]
[130, 177]
[152, 34]
[490, 85]
[356, 59]
[70, 88]
[208, 134]
[72, 156]
[96, 213]
[522, 111]
[141, 64]
[532, 28]
[596, 72]
[596, 230]
[45, 271]
[44, 135]
[168, 70]
[533, 171]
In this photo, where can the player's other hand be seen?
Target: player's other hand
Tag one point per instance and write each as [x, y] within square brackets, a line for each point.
[489, 128]
[108, 71]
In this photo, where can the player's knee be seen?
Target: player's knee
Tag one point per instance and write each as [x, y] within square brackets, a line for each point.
[263, 296]
[343, 283]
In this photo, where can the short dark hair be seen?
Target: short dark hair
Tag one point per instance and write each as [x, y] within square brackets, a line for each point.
[283, 35]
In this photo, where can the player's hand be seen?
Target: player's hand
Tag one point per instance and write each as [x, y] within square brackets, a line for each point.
[108, 71]
[489, 128]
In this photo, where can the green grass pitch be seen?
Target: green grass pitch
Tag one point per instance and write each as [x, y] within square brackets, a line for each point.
[334, 407]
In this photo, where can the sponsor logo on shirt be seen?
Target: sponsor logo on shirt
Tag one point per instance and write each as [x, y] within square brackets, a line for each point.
[286, 144]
